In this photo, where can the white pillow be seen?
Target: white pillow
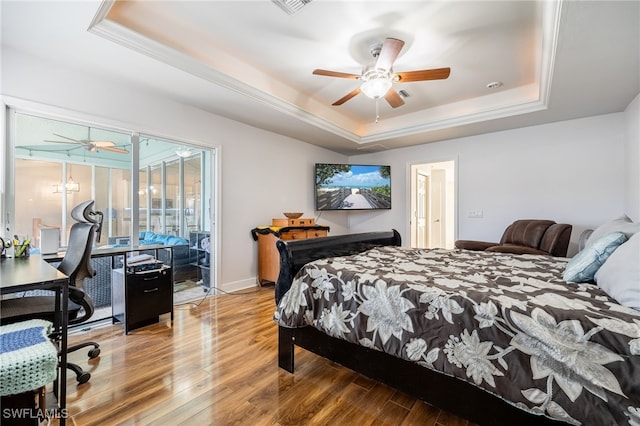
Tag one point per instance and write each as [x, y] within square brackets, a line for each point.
[619, 276]
[622, 224]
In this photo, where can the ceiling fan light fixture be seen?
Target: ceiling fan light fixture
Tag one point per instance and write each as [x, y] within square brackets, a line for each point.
[376, 82]
[102, 144]
[376, 88]
[183, 152]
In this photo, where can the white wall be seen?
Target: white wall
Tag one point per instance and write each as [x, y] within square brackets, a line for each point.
[632, 159]
[569, 172]
[259, 179]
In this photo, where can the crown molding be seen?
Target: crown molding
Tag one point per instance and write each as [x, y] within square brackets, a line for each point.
[442, 117]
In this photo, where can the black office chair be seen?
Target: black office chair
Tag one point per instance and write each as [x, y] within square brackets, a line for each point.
[77, 266]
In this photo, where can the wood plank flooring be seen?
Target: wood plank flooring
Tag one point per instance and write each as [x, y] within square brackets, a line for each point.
[217, 365]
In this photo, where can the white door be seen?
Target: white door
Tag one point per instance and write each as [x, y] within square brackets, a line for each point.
[422, 183]
[437, 208]
[432, 205]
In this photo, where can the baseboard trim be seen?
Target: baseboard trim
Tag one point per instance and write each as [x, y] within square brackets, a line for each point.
[239, 285]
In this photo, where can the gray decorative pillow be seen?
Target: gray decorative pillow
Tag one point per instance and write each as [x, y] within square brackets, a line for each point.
[584, 265]
[619, 276]
[622, 224]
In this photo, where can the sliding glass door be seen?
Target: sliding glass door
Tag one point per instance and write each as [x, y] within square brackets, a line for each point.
[52, 165]
[172, 187]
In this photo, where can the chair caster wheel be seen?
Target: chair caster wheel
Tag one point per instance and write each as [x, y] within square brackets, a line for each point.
[94, 352]
[83, 377]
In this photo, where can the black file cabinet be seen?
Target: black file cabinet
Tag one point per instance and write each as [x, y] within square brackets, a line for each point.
[138, 299]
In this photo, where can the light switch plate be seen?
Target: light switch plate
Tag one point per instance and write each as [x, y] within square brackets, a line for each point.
[475, 214]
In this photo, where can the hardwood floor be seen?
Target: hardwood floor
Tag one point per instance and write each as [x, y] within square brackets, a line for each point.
[217, 364]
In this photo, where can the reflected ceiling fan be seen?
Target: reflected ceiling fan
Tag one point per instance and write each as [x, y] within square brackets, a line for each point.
[91, 146]
[378, 77]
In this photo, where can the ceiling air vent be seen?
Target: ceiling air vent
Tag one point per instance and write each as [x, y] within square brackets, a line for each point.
[291, 6]
[373, 148]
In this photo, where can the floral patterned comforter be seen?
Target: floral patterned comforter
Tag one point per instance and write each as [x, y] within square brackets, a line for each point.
[506, 323]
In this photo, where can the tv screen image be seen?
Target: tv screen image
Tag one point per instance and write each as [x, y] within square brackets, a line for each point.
[352, 187]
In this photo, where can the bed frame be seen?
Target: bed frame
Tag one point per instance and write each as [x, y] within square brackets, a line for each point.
[438, 389]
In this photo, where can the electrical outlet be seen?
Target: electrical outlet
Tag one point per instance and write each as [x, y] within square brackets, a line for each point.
[475, 214]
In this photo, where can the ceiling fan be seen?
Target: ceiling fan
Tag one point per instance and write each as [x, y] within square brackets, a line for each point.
[378, 77]
[91, 146]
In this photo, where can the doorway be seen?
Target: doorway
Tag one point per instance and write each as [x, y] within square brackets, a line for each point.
[433, 205]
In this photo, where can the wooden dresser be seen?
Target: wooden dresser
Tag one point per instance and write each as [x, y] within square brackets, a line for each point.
[284, 229]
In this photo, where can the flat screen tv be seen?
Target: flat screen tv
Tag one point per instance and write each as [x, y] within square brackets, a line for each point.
[352, 187]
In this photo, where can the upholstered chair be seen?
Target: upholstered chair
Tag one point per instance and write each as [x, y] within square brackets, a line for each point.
[77, 266]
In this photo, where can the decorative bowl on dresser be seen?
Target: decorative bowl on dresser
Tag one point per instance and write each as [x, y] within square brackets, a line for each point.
[293, 215]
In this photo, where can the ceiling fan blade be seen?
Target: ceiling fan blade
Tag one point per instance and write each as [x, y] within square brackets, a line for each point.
[393, 98]
[113, 149]
[346, 97]
[64, 142]
[336, 74]
[70, 139]
[391, 48]
[421, 75]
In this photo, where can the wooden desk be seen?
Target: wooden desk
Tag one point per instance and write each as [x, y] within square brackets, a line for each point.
[33, 273]
[113, 251]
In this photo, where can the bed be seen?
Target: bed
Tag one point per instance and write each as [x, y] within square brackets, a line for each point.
[492, 337]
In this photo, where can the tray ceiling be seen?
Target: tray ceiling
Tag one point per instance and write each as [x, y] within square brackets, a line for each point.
[252, 62]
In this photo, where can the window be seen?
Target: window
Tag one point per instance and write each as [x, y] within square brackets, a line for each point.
[59, 164]
[171, 187]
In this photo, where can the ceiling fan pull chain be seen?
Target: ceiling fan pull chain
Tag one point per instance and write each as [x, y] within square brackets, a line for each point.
[377, 110]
